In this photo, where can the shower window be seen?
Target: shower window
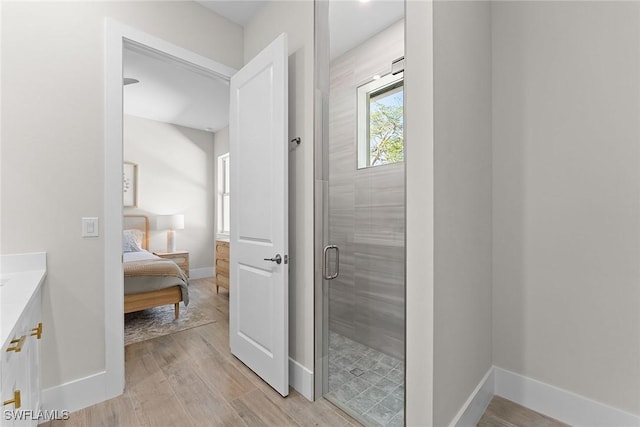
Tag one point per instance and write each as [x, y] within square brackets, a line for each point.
[381, 121]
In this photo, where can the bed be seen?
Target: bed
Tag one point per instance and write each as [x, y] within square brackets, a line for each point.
[149, 281]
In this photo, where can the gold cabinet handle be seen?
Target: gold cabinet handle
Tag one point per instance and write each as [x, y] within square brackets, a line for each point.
[16, 400]
[37, 331]
[18, 343]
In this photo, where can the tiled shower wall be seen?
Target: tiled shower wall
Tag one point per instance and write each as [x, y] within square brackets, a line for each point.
[366, 210]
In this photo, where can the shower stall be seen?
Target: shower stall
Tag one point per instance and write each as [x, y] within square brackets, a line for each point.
[360, 209]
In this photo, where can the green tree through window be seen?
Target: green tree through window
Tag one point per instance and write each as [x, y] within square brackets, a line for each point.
[380, 111]
[386, 142]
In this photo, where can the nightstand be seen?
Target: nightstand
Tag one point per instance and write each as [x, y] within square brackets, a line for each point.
[180, 257]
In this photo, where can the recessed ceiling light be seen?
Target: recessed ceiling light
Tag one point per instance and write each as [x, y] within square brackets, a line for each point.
[376, 77]
[364, 1]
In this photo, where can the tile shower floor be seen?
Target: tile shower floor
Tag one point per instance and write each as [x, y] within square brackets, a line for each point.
[365, 383]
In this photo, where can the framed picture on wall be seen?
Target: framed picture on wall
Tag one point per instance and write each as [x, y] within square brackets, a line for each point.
[130, 185]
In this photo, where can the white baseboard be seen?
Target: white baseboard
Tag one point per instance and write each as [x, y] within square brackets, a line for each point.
[562, 405]
[76, 395]
[201, 273]
[301, 379]
[477, 403]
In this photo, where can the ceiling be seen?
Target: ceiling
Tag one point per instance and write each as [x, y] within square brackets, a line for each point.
[173, 92]
[238, 11]
[353, 22]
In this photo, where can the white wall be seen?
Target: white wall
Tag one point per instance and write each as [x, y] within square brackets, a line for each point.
[221, 142]
[296, 19]
[176, 168]
[462, 114]
[419, 163]
[52, 150]
[566, 105]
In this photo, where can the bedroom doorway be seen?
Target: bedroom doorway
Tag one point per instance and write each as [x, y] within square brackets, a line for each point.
[118, 38]
[261, 89]
[175, 117]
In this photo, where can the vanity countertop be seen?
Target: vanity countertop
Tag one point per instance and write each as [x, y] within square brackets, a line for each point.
[20, 277]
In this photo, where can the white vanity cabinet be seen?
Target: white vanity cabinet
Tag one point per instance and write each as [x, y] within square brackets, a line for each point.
[20, 367]
[21, 330]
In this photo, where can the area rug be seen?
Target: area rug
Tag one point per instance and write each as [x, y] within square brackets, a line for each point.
[159, 321]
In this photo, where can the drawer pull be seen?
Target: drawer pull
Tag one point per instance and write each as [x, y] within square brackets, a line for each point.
[37, 331]
[18, 343]
[16, 400]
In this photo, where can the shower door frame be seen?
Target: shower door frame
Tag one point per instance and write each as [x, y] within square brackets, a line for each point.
[419, 201]
[321, 194]
[321, 202]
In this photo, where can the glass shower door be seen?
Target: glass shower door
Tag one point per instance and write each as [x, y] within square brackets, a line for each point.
[363, 188]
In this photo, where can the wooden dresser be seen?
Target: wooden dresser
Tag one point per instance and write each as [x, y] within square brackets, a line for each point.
[222, 264]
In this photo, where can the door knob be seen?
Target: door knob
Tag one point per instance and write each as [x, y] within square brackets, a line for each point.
[277, 259]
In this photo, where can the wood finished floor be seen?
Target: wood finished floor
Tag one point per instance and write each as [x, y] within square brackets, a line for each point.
[190, 378]
[505, 413]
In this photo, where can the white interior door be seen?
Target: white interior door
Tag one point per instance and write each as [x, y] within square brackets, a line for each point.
[259, 287]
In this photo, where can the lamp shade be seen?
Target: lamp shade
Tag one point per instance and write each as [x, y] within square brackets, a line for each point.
[170, 222]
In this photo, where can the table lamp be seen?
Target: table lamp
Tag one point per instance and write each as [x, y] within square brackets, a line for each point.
[170, 223]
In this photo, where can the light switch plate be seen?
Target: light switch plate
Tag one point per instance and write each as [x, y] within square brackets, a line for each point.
[90, 227]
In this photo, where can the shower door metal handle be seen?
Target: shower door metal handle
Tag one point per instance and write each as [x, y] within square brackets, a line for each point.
[325, 263]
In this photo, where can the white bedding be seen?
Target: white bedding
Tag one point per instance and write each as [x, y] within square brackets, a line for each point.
[138, 256]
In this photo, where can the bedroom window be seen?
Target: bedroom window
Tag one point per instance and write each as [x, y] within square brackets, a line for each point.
[381, 121]
[223, 195]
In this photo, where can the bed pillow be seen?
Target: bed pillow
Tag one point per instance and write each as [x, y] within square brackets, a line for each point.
[132, 240]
